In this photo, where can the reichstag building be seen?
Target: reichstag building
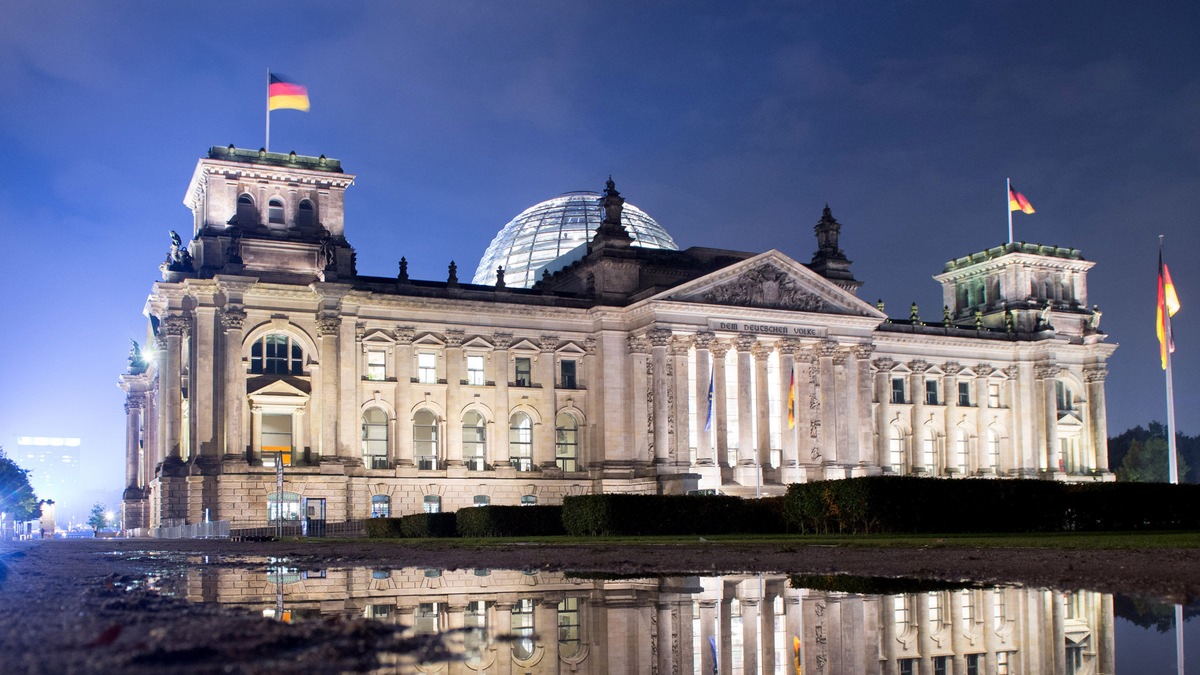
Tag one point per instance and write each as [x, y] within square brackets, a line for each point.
[587, 354]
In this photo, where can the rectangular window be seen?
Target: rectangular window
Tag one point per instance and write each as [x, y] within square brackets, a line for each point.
[940, 664]
[432, 504]
[567, 371]
[524, 372]
[931, 392]
[908, 666]
[993, 395]
[475, 371]
[376, 364]
[276, 438]
[1002, 663]
[427, 368]
[897, 390]
[964, 393]
[972, 664]
[381, 506]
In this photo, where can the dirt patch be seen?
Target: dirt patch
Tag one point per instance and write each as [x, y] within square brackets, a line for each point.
[95, 606]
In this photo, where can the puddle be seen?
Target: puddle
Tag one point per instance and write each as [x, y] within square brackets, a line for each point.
[535, 621]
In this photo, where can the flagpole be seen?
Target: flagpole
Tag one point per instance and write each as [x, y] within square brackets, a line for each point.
[1008, 205]
[1179, 638]
[1172, 462]
[267, 145]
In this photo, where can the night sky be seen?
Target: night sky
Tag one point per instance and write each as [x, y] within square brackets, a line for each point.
[732, 124]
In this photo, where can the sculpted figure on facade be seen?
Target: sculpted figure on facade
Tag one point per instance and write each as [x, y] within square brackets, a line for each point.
[767, 286]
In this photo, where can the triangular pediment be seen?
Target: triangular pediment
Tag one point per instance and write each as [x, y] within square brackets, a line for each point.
[276, 388]
[525, 345]
[378, 337]
[771, 280]
[477, 343]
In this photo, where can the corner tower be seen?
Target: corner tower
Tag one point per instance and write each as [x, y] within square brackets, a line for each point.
[271, 215]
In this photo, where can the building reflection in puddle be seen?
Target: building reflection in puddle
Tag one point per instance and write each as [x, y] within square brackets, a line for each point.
[508, 621]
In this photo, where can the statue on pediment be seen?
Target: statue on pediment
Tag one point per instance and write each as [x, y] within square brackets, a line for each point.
[769, 287]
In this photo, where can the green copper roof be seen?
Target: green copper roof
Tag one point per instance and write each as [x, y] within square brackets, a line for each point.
[261, 156]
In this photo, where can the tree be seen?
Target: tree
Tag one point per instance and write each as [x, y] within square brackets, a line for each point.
[1147, 462]
[99, 518]
[16, 495]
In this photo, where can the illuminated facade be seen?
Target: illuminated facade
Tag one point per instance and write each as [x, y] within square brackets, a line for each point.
[730, 624]
[390, 395]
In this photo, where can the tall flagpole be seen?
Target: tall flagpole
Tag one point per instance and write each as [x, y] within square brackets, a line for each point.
[268, 144]
[1179, 638]
[1172, 462]
[1008, 205]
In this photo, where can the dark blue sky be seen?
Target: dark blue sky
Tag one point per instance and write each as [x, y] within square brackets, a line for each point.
[730, 123]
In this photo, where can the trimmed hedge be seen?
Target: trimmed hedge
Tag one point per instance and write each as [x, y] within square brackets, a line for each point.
[908, 504]
[510, 521]
[383, 528]
[428, 525]
[631, 515]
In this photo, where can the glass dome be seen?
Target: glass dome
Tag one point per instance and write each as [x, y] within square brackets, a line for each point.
[553, 228]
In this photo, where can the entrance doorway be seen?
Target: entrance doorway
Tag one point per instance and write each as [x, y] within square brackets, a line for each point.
[314, 517]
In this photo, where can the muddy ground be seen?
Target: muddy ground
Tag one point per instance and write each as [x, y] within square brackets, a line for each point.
[85, 606]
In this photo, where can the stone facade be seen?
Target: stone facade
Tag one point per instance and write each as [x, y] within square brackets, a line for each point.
[627, 370]
[735, 623]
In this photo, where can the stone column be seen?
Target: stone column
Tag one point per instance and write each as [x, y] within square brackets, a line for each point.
[660, 387]
[1048, 376]
[705, 455]
[203, 394]
[950, 388]
[830, 453]
[592, 407]
[846, 385]
[349, 421]
[171, 331]
[808, 411]
[916, 393]
[750, 628]
[863, 421]
[641, 400]
[767, 645]
[720, 404]
[788, 381]
[497, 447]
[681, 446]
[725, 650]
[1098, 427]
[762, 406]
[503, 626]
[1019, 422]
[455, 374]
[545, 622]
[543, 439]
[982, 371]
[327, 392]
[745, 401]
[708, 621]
[133, 433]
[883, 416]
[256, 433]
[233, 390]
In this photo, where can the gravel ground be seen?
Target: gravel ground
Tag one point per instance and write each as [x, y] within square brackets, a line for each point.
[85, 606]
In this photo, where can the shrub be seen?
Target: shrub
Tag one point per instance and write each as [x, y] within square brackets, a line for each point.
[510, 521]
[428, 525]
[624, 514]
[383, 528]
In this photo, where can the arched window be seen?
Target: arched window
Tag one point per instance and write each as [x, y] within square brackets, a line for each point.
[568, 627]
[528, 500]
[275, 212]
[929, 451]
[276, 354]
[474, 441]
[520, 441]
[896, 450]
[305, 216]
[993, 451]
[381, 507]
[522, 629]
[425, 440]
[566, 442]
[962, 450]
[246, 214]
[375, 439]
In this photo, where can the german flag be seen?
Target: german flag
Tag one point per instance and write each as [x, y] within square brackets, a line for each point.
[792, 401]
[1168, 305]
[282, 94]
[1017, 201]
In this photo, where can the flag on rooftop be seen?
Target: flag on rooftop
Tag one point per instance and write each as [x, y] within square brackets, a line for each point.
[282, 94]
[1168, 305]
[1017, 201]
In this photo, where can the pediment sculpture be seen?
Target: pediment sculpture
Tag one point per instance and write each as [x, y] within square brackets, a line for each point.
[769, 287]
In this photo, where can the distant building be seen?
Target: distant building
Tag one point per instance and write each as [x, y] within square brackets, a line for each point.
[613, 367]
[54, 469]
